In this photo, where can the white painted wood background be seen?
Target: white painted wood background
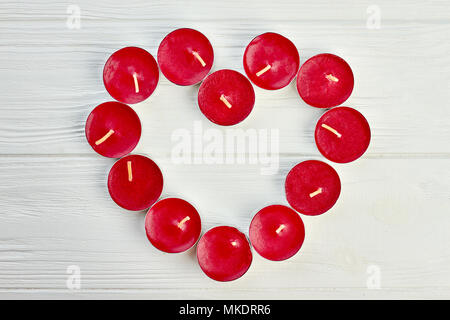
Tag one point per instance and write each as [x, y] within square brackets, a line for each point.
[55, 211]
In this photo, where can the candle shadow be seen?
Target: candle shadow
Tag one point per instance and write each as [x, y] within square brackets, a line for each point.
[192, 252]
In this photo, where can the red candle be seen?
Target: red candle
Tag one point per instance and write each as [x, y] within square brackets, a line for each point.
[224, 253]
[271, 61]
[325, 81]
[113, 129]
[277, 232]
[135, 182]
[226, 97]
[130, 75]
[172, 225]
[342, 134]
[185, 56]
[312, 187]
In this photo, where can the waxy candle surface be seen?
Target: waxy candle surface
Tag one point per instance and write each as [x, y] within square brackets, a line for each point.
[277, 232]
[185, 56]
[224, 253]
[130, 75]
[325, 81]
[342, 134]
[172, 225]
[312, 187]
[113, 129]
[226, 97]
[271, 61]
[135, 182]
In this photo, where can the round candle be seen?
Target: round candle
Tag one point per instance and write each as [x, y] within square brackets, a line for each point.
[271, 61]
[130, 75]
[135, 182]
[224, 253]
[312, 187]
[325, 81]
[185, 56]
[277, 232]
[172, 225]
[226, 97]
[342, 134]
[113, 129]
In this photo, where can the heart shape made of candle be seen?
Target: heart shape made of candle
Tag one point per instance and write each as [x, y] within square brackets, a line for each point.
[226, 97]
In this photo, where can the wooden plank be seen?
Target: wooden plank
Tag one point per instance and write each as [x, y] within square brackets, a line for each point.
[55, 209]
[54, 74]
[56, 212]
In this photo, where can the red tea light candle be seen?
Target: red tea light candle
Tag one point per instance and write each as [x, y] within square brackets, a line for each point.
[312, 187]
[277, 232]
[325, 81]
[113, 129]
[130, 75]
[172, 225]
[224, 253]
[185, 56]
[135, 182]
[342, 134]
[271, 61]
[226, 97]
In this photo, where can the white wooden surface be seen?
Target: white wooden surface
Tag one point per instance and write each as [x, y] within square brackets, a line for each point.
[55, 211]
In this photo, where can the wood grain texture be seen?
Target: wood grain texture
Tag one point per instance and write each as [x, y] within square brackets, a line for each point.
[55, 209]
[376, 221]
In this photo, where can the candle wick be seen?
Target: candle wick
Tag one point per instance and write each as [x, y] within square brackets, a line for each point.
[130, 171]
[106, 136]
[196, 55]
[265, 69]
[331, 78]
[331, 129]
[281, 227]
[136, 84]
[180, 224]
[315, 193]
[224, 100]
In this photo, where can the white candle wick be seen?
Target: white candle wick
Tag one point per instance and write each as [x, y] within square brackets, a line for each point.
[197, 56]
[106, 136]
[331, 78]
[265, 69]
[136, 84]
[331, 129]
[130, 171]
[224, 100]
[315, 193]
[281, 227]
[180, 224]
